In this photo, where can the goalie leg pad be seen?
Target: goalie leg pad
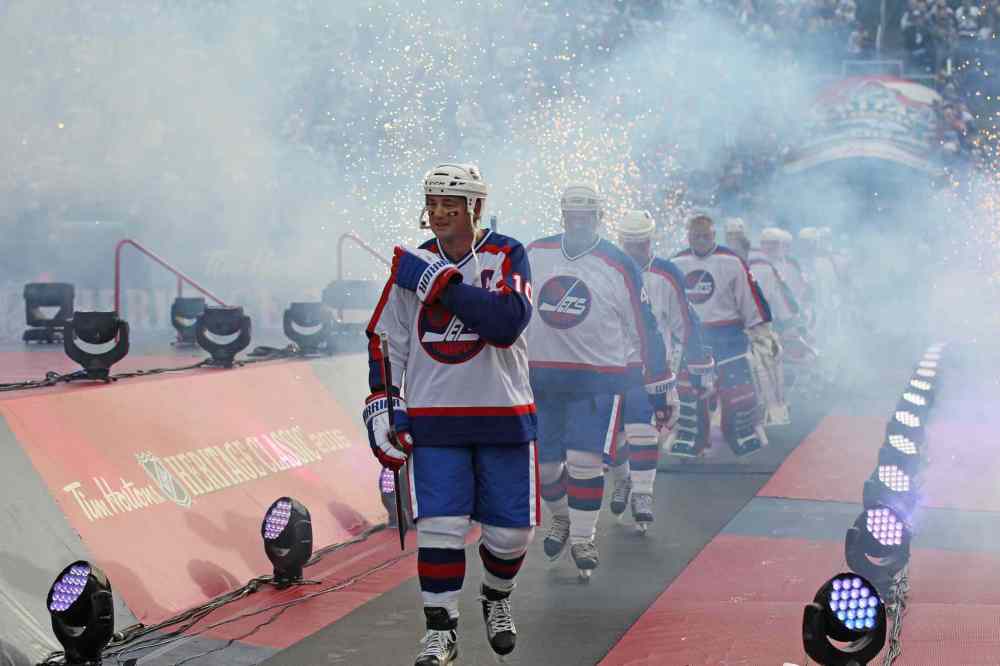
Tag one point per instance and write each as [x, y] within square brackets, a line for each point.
[740, 409]
[693, 421]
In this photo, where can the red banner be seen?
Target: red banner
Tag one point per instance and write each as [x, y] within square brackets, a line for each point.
[167, 479]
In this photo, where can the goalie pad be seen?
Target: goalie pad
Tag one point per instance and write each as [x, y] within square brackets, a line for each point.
[769, 383]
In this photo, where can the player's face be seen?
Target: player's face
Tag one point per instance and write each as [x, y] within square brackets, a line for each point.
[771, 248]
[735, 239]
[448, 216]
[580, 225]
[701, 236]
[639, 250]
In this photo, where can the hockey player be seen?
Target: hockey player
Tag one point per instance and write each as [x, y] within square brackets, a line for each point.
[454, 311]
[590, 308]
[724, 294]
[737, 239]
[637, 454]
[764, 356]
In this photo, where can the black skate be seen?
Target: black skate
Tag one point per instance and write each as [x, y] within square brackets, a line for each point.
[499, 623]
[556, 538]
[586, 558]
[619, 496]
[440, 641]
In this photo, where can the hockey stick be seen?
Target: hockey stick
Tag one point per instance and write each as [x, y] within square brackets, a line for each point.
[387, 383]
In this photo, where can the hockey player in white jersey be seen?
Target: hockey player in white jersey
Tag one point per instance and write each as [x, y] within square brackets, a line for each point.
[633, 470]
[590, 306]
[724, 294]
[454, 311]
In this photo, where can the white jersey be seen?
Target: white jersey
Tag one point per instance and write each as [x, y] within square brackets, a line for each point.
[721, 289]
[590, 311]
[664, 285]
[784, 306]
[461, 388]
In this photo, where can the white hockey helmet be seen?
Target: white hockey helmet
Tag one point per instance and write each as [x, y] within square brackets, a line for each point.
[809, 234]
[771, 235]
[582, 197]
[736, 225]
[456, 180]
[636, 225]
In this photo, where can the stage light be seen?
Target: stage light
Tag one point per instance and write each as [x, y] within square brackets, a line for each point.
[926, 373]
[890, 486]
[877, 546]
[923, 388]
[928, 365]
[849, 611]
[287, 533]
[311, 315]
[83, 613]
[903, 445]
[42, 296]
[96, 328]
[184, 313]
[907, 424]
[223, 322]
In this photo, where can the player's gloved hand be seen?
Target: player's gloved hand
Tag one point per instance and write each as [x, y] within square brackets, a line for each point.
[658, 392]
[391, 452]
[765, 341]
[666, 419]
[427, 277]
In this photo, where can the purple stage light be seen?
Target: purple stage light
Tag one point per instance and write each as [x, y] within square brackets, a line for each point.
[277, 519]
[852, 602]
[69, 587]
[884, 526]
[894, 478]
[903, 444]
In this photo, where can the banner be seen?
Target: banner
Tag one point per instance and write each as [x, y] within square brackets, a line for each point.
[166, 479]
[870, 117]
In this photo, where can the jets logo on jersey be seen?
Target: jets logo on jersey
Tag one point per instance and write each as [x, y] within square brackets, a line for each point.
[444, 337]
[699, 286]
[564, 301]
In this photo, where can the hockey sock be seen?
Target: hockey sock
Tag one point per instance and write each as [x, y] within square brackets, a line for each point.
[502, 551]
[644, 455]
[442, 572]
[553, 478]
[441, 560]
[586, 491]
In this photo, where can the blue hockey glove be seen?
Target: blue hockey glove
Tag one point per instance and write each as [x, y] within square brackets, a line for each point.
[425, 278]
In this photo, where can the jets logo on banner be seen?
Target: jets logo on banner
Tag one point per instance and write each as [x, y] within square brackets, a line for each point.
[564, 301]
[699, 286]
[444, 336]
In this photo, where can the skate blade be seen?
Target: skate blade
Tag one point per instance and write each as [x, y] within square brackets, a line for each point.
[641, 528]
[584, 575]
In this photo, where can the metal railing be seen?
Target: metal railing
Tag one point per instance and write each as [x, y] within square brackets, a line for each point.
[351, 236]
[181, 277]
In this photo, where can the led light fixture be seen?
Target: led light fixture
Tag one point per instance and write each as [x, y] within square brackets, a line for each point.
[184, 313]
[878, 544]
[223, 322]
[287, 533]
[83, 614]
[845, 623]
[309, 325]
[40, 298]
[96, 328]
